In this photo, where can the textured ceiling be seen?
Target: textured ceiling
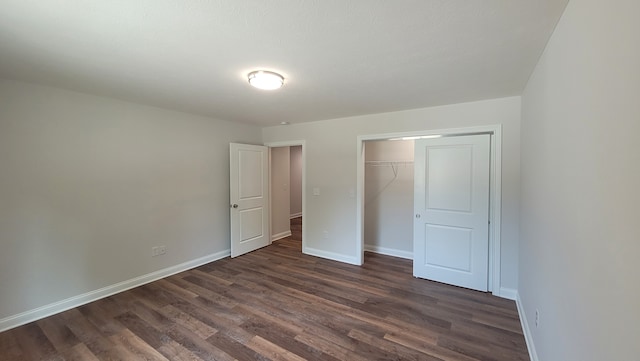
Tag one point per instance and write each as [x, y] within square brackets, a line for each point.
[340, 58]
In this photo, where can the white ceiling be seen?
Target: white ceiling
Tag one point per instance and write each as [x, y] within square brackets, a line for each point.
[340, 58]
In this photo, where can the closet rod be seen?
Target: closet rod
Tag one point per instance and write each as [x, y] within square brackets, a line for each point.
[388, 162]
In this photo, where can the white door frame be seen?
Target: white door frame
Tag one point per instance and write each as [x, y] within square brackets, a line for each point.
[291, 143]
[495, 190]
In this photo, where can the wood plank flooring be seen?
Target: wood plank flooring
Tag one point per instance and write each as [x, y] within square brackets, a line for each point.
[278, 304]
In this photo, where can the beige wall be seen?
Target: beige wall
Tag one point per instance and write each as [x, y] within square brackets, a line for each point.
[580, 177]
[88, 185]
[280, 197]
[296, 180]
[331, 148]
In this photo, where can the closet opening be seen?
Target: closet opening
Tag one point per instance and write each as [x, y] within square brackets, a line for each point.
[388, 197]
[397, 172]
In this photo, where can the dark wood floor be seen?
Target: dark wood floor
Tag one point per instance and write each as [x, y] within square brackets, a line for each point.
[277, 304]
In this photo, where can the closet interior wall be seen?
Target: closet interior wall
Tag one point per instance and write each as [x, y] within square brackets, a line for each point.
[388, 215]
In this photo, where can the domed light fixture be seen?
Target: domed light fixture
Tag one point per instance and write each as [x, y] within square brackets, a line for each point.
[265, 80]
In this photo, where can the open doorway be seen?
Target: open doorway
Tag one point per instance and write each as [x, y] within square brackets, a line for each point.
[295, 199]
[286, 172]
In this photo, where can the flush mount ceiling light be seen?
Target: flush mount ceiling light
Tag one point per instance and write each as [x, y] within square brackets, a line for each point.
[266, 80]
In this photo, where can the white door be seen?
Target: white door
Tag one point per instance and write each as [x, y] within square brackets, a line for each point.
[451, 207]
[249, 197]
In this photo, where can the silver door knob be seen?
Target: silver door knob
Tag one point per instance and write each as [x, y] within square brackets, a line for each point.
[234, 205]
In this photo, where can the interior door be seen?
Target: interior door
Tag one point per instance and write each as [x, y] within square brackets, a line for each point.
[249, 197]
[451, 206]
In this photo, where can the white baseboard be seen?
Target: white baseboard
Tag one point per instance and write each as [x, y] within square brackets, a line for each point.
[295, 215]
[79, 300]
[526, 330]
[330, 255]
[388, 251]
[508, 293]
[280, 235]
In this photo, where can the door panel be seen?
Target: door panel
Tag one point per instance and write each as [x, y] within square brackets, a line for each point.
[251, 226]
[451, 204]
[250, 163]
[449, 178]
[249, 198]
[448, 247]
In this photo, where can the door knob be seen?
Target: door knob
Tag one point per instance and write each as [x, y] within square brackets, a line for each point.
[234, 205]
[418, 215]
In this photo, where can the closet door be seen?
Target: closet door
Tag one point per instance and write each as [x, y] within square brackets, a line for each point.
[451, 210]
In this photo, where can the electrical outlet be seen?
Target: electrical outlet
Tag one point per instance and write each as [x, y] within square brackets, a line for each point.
[537, 318]
[158, 251]
[325, 234]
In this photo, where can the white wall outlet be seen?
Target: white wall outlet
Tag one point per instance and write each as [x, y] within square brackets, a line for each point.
[158, 251]
[325, 234]
[537, 318]
[316, 191]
